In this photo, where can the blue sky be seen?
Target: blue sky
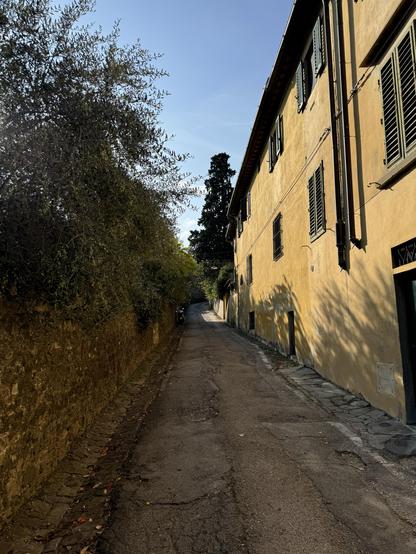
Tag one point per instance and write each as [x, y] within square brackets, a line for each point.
[219, 54]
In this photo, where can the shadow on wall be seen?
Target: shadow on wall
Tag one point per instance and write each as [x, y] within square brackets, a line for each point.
[356, 331]
[272, 319]
[351, 336]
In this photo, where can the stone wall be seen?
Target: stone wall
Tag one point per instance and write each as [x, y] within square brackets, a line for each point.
[55, 378]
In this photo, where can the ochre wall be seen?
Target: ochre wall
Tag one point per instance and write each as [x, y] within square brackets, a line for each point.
[346, 322]
[55, 377]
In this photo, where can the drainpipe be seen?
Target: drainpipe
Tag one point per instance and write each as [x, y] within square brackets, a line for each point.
[339, 204]
[345, 149]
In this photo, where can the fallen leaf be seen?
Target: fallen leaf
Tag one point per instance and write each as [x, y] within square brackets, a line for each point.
[80, 521]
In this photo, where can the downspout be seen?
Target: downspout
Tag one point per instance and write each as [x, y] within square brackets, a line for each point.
[339, 208]
[345, 126]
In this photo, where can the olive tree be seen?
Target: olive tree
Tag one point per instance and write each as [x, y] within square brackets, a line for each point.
[88, 184]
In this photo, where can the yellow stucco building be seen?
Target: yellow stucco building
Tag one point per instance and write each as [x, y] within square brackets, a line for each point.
[323, 215]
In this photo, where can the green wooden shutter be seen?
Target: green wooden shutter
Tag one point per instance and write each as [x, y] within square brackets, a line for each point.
[300, 87]
[312, 206]
[390, 112]
[271, 163]
[277, 237]
[320, 198]
[318, 56]
[243, 209]
[279, 135]
[407, 83]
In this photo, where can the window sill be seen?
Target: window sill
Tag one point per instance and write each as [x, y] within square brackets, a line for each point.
[318, 235]
[400, 169]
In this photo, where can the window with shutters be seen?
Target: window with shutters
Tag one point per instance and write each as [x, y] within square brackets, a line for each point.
[249, 270]
[398, 93]
[239, 225]
[276, 142]
[249, 204]
[277, 238]
[311, 65]
[243, 209]
[316, 193]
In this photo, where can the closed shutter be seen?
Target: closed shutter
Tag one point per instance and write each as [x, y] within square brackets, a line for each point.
[271, 162]
[279, 135]
[248, 204]
[320, 198]
[277, 237]
[318, 54]
[243, 208]
[390, 113]
[407, 81]
[300, 86]
[312, 206]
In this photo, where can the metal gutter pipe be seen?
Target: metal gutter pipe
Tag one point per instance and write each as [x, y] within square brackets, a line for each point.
[345, 150]
[340, 223]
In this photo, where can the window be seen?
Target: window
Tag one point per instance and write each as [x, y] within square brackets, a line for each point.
[249, 273]
[277, 238]
[311, 66]
[276, 143]
[317, 223]
[243, 209]
[239, 224]
[248, 204]
[398, 91]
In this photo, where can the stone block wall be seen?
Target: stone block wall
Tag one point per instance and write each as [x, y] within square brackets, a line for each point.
[55, 378]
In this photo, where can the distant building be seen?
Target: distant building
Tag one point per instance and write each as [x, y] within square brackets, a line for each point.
[323, 216]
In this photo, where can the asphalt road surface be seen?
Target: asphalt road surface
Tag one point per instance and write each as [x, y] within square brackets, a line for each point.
[233, 459]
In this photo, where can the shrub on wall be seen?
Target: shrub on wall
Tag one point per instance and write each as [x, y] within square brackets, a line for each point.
[88, 185]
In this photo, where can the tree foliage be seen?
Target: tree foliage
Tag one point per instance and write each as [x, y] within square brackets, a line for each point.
[208, 244]
[87, 181]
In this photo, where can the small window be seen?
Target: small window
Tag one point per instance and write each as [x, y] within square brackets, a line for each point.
[311, 65]
[251, 321]
[248, 204]
[276, 143]
[317, 222]
[277, 238]
[249, 273]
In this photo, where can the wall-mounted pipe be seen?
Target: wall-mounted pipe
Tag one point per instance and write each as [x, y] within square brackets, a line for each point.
[345, 150]
[339, 203]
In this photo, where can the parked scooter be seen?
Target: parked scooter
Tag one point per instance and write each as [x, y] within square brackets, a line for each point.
[180, 315]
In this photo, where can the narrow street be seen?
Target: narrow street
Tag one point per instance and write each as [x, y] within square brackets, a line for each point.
[234, 459]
